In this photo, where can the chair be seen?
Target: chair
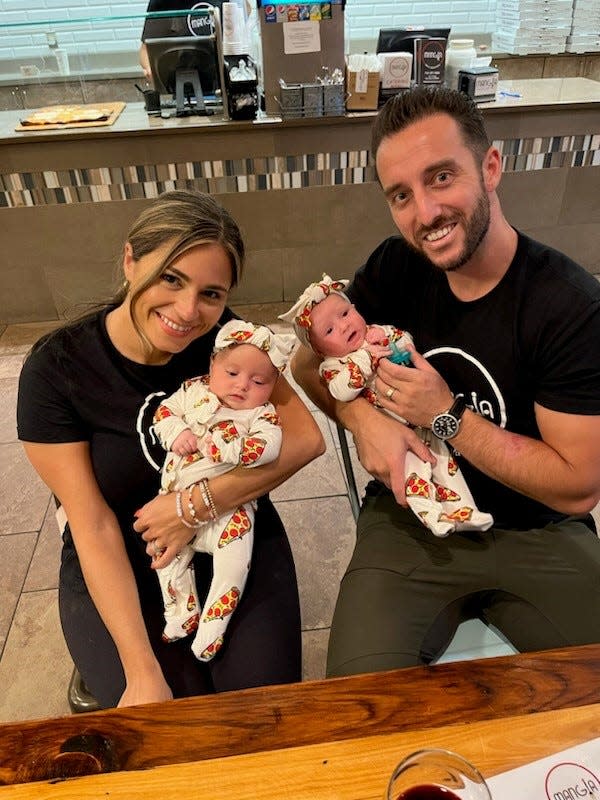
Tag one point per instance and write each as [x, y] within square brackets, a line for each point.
[78, 695]
[349, 470]
[473, 638]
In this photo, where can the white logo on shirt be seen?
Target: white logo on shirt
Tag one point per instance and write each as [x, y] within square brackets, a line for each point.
[494, 411]
[139, 426]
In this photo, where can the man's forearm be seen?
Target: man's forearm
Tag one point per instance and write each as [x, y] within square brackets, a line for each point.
[529, 466]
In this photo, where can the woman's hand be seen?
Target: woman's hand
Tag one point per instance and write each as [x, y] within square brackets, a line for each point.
[147, 688]
[162, 530]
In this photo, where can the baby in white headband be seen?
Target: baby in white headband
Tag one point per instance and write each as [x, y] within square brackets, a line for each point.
[325, 321]
[210, 425]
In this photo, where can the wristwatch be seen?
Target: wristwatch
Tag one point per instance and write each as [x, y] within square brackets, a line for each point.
[446, 424]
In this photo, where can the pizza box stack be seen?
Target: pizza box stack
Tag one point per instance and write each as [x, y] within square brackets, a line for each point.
[585, 27]
[532, 26]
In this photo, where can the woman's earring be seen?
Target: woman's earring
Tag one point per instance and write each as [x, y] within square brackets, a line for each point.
[126, 285]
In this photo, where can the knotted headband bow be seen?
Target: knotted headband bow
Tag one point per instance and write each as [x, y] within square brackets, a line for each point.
[278, 346]
[299, 313]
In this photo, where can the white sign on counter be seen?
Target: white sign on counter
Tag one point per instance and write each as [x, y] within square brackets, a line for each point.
[301, 37]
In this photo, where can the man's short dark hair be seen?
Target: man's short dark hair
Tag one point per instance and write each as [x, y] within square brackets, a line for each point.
[415, 104]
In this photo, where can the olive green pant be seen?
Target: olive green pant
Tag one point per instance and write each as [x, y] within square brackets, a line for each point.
[406, 591]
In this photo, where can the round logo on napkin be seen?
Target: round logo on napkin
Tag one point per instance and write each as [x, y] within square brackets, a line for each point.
[569, 780]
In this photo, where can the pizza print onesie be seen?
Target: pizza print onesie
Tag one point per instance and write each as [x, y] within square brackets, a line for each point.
[228, 438]
[438, 495]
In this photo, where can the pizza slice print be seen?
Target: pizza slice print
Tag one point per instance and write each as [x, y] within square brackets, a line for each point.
[238, 526]
[444, 494]
[189, 459]
[224, 606]
[463, 514]
[329, 374]
[370, 396]
[239, 336]
[211, 650]
[227, 429]
[272, 418]
[162, 412]
[356, 379]
[416, 487]
[191, 624]
[252, 450]
[452, 466]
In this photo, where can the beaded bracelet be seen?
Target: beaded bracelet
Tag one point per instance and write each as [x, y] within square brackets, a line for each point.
[197, 523]
[179, 508]
[207, 498]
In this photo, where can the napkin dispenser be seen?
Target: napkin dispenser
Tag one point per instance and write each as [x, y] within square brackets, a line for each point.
[241, 83]
[480, 83]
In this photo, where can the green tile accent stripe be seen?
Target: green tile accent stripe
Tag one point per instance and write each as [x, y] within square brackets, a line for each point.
[267, 173]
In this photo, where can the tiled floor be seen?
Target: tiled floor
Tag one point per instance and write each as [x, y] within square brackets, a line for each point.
[34, 663]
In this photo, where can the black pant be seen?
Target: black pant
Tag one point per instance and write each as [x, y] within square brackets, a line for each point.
[405, 591]
[262, 642]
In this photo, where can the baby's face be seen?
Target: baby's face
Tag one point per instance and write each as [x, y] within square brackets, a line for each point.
[242, 376]
[336, 327]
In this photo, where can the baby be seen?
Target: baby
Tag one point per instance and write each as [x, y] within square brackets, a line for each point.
[210, 425]
[326, 321]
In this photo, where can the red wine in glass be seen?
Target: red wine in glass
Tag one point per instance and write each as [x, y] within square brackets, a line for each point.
[428, 792]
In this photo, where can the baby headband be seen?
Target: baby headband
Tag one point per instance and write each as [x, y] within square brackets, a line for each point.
[299, 313]
[278, 346]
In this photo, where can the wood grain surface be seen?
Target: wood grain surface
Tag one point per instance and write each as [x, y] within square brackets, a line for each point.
[269, 718]
[354, 769]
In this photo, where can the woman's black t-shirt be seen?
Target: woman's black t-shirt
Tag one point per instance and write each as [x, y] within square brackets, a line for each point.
[75, 386]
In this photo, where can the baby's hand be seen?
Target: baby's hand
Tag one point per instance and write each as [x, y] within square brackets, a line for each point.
[375, 334]
[378, 351]
[185, 444]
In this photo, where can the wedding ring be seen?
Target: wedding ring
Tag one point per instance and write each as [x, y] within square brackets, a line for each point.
[390, 392]
[156, 549]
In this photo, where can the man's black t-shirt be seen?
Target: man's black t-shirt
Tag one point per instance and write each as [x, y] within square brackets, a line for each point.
[75, 386]
[534, 338]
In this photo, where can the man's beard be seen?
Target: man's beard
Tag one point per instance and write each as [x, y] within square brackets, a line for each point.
[475, 228]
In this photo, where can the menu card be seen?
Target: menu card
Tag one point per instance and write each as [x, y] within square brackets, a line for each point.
[570, 774]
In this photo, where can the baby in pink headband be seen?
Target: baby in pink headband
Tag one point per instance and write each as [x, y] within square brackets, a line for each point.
[325, 321]
[209, 426]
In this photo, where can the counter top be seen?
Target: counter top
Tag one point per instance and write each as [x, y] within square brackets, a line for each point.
[526, 94]
[336, 739]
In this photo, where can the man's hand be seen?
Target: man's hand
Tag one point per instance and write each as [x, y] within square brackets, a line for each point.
[415, 393]
[382, 444]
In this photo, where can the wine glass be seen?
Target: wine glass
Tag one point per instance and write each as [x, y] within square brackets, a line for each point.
[436, 775]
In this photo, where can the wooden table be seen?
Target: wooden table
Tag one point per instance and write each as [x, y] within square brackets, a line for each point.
[327, 740]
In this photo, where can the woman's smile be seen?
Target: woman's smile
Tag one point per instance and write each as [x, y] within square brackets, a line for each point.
[175, 328]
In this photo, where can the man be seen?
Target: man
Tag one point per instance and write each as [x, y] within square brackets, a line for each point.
[507, 372]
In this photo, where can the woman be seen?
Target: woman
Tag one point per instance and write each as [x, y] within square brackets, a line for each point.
[87, 395]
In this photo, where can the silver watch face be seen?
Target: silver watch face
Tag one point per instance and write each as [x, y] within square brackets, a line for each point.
[445, 426]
